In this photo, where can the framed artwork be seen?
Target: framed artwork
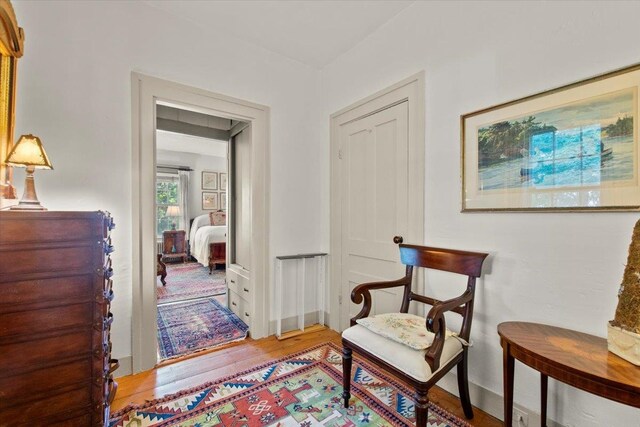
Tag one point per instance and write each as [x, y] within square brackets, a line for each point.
[209, 180]
[223, 201]
[223, 181]
[11, 48]
[574, 148]
[210, 200]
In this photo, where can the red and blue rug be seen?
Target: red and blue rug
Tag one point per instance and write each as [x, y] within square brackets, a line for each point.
[191, 326]
[303, 390]
[190, 281]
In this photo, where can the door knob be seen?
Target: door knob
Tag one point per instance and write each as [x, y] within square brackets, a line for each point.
[397, 240]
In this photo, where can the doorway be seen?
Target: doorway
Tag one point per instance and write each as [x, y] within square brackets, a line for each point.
[147, 93]
[192, 231]
[377, 193]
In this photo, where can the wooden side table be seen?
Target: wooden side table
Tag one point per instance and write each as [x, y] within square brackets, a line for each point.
[174, 239]
[575, 358]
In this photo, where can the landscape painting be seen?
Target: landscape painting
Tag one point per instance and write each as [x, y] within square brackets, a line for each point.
[571, 148]
[584, 143]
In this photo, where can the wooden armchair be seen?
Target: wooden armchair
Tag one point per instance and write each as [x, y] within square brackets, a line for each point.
[161, 270]
[424, 367]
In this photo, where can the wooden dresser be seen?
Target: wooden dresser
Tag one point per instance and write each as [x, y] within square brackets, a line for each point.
[55, 293]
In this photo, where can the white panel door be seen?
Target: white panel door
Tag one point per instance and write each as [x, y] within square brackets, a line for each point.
[374, 164]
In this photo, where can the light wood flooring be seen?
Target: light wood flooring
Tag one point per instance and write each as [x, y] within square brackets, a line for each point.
[175, 375]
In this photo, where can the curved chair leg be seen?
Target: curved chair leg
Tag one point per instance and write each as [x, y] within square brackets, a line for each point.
[346, 375]
[422, 408]
[463, 387]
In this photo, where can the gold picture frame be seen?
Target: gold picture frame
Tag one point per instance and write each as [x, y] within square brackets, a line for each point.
[11, 48]
[573, 148]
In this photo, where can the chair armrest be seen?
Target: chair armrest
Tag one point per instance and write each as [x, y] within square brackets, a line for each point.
[436, 324]
[362, 292]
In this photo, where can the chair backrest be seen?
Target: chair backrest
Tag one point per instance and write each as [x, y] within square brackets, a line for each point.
[454, 261]
[451, 260]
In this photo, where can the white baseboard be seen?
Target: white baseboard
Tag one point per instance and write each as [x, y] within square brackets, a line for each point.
[490, 402]
[291, 323]
[126, 367]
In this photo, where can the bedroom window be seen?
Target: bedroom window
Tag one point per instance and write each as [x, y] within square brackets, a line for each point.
[167, 194]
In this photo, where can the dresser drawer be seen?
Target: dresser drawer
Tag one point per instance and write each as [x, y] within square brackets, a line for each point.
[239, 305]
[232, 280]
[26, 355]
[46, 292]
[239, 283]
[235, 303]
[52, 405]
[246, 317]
[61, 259]
[38, 227]
[45, 319]
[82, 420]
[43, 381]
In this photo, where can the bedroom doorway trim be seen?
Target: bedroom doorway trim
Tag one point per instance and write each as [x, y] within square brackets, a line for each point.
[412, 91]
[146, 92]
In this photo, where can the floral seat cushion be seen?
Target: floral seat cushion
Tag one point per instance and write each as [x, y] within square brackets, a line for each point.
[404, 328]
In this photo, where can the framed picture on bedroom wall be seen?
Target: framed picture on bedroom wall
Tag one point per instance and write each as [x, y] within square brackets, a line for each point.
[223, 181]
[210, 201]
[209, 180]
[223, 201]
[573, 148]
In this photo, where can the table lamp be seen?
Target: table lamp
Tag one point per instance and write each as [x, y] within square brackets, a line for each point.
[28, 152]
[173, 211]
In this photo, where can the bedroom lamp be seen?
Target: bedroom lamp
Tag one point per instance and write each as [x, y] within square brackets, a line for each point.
[28, 152]
[173, 211]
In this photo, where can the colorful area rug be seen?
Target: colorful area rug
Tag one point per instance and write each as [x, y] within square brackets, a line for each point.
[190, 326]
[190, 281]
[302, 390]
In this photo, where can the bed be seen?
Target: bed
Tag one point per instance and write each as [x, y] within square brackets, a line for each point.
[207, 242]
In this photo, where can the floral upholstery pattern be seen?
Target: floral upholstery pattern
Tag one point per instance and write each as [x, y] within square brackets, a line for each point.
[404, 328]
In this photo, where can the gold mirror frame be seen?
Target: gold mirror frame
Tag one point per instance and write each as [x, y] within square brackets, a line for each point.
[11, 48]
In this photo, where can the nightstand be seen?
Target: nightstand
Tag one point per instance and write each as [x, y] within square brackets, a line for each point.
[173, 245]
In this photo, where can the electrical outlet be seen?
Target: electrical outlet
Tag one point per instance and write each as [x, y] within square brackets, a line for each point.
[520, 418]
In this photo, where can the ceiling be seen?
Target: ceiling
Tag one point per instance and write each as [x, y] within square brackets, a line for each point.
[312, 32]
[170, 141]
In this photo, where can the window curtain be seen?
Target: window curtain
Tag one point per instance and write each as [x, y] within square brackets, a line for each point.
[183, 199]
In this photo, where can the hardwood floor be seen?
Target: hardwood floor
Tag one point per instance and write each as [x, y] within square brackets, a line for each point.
[173, 376]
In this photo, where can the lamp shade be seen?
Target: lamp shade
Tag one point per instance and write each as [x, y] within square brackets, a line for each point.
[28, 151]
[173, 210]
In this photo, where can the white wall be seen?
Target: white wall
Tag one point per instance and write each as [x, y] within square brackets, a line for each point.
[561, 269]
[74, 92]
[199, 163]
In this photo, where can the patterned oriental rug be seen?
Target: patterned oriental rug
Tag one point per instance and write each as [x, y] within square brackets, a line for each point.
[189, 281]
[191, 326]
[302, 390]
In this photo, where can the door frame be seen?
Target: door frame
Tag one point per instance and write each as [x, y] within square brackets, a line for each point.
[146, 91]
[411, 90]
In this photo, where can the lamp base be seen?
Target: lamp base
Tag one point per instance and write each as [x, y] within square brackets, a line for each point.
[27, 206]
[29, 201]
